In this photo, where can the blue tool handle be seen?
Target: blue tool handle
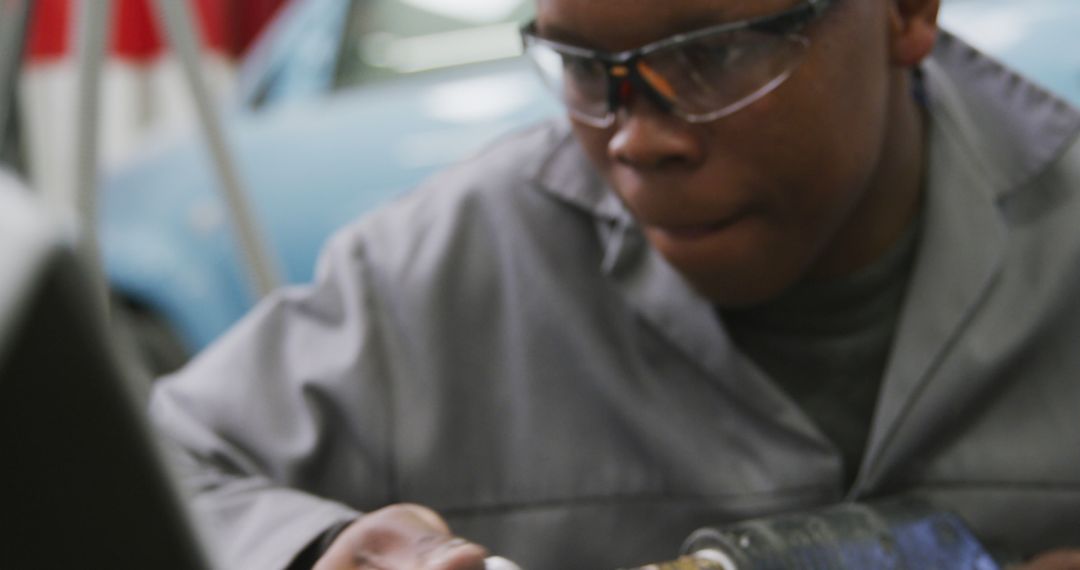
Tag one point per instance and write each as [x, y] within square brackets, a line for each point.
[896, 535]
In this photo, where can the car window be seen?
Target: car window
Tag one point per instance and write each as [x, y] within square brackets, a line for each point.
[295, 58]
[388, 38]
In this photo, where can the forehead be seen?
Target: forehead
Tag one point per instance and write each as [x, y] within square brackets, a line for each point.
[625, 24]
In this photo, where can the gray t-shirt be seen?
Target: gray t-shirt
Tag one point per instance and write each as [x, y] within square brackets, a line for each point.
[826, 344]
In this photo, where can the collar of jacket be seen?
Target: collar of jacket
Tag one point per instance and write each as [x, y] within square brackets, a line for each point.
[644, 279]
[991, 137]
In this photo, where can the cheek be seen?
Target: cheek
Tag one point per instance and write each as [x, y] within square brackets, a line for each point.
[835, 131]
[850, 90]
[595, 144]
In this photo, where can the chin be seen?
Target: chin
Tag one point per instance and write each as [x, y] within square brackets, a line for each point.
[733, 273]
[739, 283]
[726, 294]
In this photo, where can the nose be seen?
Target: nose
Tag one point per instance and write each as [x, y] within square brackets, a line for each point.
[648, 138]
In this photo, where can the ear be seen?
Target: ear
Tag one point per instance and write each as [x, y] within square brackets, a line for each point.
[913, 30]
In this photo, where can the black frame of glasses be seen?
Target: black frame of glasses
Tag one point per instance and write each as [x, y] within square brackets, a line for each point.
[620, 67]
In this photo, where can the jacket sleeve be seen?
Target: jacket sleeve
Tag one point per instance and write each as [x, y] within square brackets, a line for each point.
[281, 428]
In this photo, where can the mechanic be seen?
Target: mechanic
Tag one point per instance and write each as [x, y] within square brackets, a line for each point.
[788, 253]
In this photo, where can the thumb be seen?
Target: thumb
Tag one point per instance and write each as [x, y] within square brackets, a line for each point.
[401, 537]
[436, 547]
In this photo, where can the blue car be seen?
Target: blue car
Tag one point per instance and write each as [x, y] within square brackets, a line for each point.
[345, 104]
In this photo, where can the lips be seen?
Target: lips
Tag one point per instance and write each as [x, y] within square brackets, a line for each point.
[695, 231]
[681, 210]
[685, 233]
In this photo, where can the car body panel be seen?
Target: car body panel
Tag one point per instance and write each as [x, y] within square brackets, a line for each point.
[296, 58]
[312, 166]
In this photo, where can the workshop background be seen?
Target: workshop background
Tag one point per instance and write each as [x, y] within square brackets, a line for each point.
[143, 93]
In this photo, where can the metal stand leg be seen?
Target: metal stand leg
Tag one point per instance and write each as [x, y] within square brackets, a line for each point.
[93, 18]
[13, 18]
[262, 267]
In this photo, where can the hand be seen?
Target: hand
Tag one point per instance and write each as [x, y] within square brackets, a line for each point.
[401, 537]
[1054, 560]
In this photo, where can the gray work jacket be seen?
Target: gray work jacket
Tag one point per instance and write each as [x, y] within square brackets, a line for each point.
[503, 346]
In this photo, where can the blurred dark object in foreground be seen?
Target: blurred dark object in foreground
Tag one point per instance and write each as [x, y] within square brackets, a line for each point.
[83, 483]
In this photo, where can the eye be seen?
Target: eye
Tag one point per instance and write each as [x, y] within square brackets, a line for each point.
[581, 69]
[709, 55]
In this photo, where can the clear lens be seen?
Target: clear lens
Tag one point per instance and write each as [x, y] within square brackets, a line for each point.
[718, 75]
[581, 82]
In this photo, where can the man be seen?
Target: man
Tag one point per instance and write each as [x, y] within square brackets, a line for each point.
[788, 253]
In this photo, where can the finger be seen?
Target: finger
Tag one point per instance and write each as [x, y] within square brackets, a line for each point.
[1055, 560]
[455, 554]
[426, 517]
[413, 537]
[398, 536]
[436, 548]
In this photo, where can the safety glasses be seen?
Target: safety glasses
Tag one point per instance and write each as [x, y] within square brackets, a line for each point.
[699, 76]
